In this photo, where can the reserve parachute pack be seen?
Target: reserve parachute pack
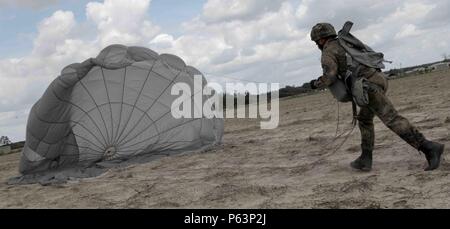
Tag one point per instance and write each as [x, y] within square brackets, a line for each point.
[351, 88]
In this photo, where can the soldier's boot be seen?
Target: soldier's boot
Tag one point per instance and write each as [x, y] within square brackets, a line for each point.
[363, 162]
[433, 152]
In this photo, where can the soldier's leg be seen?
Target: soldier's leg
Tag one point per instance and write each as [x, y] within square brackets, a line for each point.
[380, 104]
[366, 127]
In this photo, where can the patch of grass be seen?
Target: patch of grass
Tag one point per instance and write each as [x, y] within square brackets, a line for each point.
[12, 152]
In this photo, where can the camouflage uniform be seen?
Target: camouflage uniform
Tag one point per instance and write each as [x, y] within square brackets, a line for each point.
[334, 63]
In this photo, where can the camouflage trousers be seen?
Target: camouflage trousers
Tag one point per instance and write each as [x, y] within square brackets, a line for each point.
[380, 105]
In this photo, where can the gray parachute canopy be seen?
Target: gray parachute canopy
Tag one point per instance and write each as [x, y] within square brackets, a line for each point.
[116, 106]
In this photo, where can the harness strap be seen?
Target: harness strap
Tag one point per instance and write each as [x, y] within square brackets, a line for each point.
[355, 113]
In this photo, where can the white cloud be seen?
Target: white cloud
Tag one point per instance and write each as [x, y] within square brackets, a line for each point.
[52, 32]
[407, 30]
[121, 21]
[27, 3]
[263, 38]
[162, 41]
[217, 10]
[25, 77]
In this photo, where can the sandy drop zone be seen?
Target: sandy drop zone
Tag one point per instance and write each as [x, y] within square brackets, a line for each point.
[257, 168]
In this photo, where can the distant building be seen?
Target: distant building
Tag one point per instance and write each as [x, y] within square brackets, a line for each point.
[440, 66]
[4, 140]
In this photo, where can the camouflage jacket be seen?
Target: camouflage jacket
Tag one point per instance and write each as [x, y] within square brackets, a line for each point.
[334, 64]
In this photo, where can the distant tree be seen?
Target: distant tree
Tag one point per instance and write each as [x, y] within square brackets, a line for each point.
[306, 86]
[4, 140]
[445, 56]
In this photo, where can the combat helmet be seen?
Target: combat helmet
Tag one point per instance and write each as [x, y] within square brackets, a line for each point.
[322, 30]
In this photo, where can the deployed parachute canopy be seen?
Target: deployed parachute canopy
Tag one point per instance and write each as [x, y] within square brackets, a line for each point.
[116, 106]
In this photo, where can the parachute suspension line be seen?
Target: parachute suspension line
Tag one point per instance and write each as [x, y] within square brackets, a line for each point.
[338, 119]
[120, 135]
[231, 78]
[346, 135]
[345, 139]
[110, 107]
[85, 113]
[154, 121]
[98, 108]
[121, 104]
[276, 63]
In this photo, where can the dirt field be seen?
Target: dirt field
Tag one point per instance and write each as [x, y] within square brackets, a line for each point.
[289, 167]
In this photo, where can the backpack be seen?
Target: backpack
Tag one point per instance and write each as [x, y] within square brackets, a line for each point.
[351, 88]
[358, 51]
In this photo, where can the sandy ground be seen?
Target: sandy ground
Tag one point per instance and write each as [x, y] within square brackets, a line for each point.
[289, 167]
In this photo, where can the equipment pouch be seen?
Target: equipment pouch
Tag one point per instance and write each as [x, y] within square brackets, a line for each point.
[339, 91]
[360, 91]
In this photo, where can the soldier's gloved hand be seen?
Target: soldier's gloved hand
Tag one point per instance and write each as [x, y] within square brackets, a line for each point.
[313, 84]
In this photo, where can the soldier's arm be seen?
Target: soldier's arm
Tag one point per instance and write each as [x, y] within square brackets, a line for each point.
[330, 71]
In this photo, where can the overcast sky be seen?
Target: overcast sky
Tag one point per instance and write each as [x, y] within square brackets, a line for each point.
[257, 40]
